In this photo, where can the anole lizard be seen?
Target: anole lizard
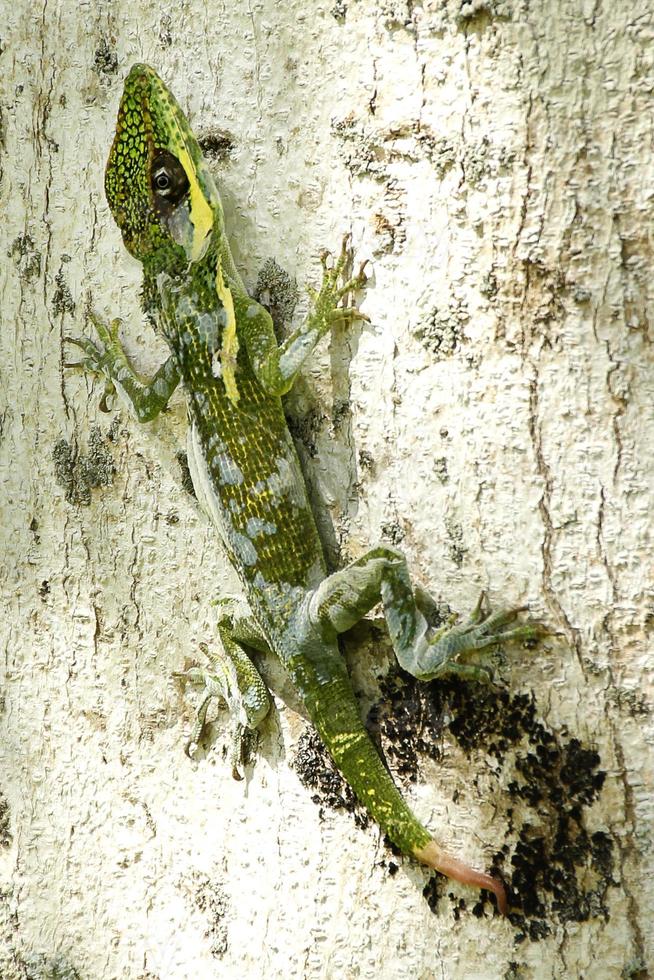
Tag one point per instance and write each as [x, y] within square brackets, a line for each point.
[245, 469]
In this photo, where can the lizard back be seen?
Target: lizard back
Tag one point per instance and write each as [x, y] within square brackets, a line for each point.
[242, 458]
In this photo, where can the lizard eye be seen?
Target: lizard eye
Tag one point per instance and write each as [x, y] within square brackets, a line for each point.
[168, 179]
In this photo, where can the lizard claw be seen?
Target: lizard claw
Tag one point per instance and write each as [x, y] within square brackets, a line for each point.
[361, 275]
[109, 392]
[480, 632]
[324, 257]
[346, 249]
[98, 354]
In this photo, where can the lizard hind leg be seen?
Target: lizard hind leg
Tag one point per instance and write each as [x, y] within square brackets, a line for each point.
[234, 679]
[382, 574]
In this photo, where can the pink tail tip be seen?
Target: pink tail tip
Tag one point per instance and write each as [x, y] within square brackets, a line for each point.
[437, 859]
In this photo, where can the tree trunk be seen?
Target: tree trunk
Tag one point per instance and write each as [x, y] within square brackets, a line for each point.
[494, 419]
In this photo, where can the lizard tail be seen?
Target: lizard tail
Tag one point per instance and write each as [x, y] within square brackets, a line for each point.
[336, 717]
[436, 858]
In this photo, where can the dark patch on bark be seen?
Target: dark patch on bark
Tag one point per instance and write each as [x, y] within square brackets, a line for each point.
[557, 868]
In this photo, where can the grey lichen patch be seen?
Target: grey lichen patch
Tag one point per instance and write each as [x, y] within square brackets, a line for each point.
[476, 162]
[62, 300]
[165, 33]
[635, 704]
[440, 468]
[488, 286]
[497, 9]
[396, 13]
[2, 142]
[42, 967]
[392, 532]
[105, 59]
[78, 473]
[97, 465]
[211, 901]
[440, 151]
[358, 147]
[441, 331]
[542, 302]
[187, 481]
[483, 159]
[369, 150]
[366, 460]
[277, 291]
[581, 295]
[456, 548]
[389, 232]
[635, 969]
[217, 144]
[64, 458]
[12, 965]
[27, 257]
[5, 823]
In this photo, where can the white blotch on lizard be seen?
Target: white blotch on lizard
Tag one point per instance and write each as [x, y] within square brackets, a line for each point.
[256, 525]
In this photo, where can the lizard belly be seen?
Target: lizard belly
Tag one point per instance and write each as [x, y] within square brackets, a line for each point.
[208, 499]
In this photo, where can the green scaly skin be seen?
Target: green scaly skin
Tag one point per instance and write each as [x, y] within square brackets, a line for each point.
[245, 469]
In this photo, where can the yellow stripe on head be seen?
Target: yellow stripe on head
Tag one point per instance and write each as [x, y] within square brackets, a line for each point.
[201, 214]
[181, 142]
[200, 211]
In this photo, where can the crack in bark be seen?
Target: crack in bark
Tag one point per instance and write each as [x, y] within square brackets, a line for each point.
[627, 847]
[543, 470]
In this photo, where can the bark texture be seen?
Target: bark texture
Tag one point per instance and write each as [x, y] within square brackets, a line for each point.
[495, 419]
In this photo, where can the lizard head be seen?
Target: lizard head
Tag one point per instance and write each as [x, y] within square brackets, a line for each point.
[157, 182]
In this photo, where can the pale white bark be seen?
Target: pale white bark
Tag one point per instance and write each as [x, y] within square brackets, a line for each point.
[494, 160]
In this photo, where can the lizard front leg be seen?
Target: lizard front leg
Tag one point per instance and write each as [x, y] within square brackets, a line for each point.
[277, 366]
[146, 399]
[234, 679]
[346, 596]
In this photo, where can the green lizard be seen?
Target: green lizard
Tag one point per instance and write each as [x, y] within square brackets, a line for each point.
[245, 469]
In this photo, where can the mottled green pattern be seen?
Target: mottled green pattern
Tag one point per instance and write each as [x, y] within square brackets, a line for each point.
[127, 179]
[254, 473]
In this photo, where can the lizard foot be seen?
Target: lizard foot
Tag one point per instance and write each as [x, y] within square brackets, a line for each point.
[99, 356]
[198, 676]
[337, 284]
[233, 679]
[481, 631]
